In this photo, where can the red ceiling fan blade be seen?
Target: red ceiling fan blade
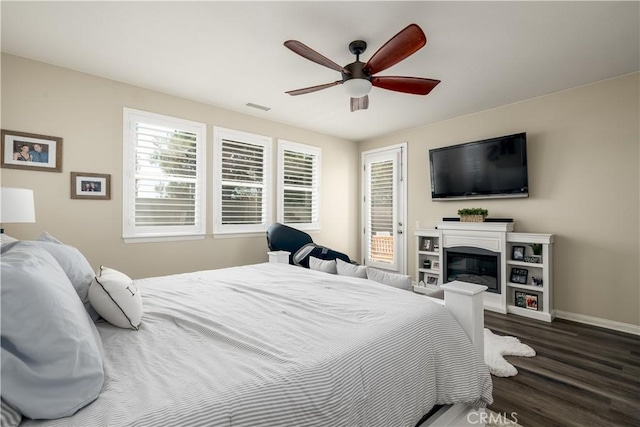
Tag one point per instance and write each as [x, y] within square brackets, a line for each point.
[399, 47]
[306, 52]
[414, 85]
[359, 103]
[313, 88]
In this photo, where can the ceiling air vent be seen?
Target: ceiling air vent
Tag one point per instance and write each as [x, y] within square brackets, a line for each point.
[259, 107]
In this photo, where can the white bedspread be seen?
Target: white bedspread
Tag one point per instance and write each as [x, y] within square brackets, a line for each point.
[278, 345]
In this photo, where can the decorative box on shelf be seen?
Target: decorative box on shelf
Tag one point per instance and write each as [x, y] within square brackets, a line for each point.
[472, 218]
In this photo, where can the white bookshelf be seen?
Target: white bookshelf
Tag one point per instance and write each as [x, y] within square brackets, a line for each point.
[431, 252]
[501, 239]
[543, 269]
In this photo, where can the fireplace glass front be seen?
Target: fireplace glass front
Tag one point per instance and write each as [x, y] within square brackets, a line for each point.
[473, 265]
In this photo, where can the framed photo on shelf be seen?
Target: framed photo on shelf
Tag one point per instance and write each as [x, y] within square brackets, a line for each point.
[435, 265]
[536, 281]
[432, 280]
[30, 151]
[426, 244]
[517, 253]
[95, 186]
[521, 299]
[519, 275]
[531, 302]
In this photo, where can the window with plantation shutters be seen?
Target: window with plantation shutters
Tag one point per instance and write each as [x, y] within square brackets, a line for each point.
[242, 202]
[164, 177]
[298, 185]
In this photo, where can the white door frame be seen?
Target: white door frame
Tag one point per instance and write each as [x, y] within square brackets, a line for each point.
[401, 225]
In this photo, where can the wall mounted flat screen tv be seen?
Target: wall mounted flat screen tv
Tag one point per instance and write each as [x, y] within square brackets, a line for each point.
[489, 168]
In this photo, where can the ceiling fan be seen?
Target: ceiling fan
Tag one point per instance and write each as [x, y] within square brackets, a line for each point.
[358, 77]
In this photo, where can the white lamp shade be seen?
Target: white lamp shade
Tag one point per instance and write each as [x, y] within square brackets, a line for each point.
[357, 88]
[16, 205]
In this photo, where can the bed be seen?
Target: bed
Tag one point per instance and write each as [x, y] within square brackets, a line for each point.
[278, 345]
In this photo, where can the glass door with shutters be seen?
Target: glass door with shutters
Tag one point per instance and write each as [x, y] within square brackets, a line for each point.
[383, 242]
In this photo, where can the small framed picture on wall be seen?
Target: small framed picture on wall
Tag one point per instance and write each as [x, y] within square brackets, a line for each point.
[95, 186]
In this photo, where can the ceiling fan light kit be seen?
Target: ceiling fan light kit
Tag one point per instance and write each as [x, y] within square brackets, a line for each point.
[358, 77]
[357, 88]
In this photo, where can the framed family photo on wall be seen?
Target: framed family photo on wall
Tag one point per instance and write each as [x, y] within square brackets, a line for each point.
[30, 151]
[95, 186]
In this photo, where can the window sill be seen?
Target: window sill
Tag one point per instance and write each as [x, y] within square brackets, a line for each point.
[305, 228]
[238, 235]
[152, 239]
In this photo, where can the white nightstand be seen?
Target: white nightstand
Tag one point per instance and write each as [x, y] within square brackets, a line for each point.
[280, 257]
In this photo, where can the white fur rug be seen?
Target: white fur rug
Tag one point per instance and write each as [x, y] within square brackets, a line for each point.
[496, 346]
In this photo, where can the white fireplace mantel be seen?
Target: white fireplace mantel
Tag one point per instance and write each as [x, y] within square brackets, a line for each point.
[500, 227]
[499, 238]
[488, 236]
[491, 236]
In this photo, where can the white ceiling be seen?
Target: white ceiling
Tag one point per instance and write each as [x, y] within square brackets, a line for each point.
[228, 54]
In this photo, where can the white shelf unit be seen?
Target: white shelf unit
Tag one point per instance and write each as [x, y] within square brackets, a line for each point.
[499, 238]
[430, 252]
[544, 270]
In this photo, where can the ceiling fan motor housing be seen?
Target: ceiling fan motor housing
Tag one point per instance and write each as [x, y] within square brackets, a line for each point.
[356, 47]
[356, 70]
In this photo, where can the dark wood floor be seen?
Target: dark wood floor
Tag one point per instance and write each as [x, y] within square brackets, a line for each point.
[581, 375]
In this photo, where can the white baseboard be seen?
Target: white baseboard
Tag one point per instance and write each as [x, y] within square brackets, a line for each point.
[597, 321]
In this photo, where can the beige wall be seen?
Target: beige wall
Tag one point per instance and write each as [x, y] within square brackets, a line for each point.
[583, 145]
[87, 112]
[583, 155]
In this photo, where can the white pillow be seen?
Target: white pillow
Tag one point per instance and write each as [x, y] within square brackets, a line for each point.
[51, 350]
[6, 239]
[387, 278]
[327, 266]
[74, 264]
[351, 270]
[116, 298]
[46, 237]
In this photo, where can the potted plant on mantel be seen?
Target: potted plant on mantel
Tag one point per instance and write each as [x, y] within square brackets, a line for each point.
[473, 214]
